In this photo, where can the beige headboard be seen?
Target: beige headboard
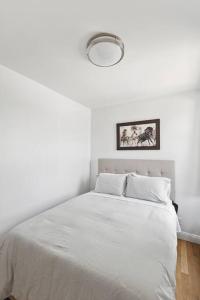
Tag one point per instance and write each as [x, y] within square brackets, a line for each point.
[157, 168]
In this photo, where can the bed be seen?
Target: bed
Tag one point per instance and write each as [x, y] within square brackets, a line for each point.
[95, 246]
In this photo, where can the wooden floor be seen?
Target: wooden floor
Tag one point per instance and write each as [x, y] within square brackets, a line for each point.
[188, 271]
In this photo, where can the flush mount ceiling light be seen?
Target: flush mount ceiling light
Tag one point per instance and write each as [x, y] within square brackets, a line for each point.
[105, 50]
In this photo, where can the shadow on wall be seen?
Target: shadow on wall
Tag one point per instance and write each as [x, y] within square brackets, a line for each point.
[32, 211]
[48, 204]
[196, 142]
[93, 173]
[198, 150]
[192, 206]
[84, 187]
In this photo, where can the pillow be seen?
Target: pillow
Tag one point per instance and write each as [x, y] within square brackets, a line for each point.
[165, 178]
[109, 183]
[156, 189]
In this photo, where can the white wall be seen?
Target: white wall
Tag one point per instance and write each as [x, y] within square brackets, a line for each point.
[180, 141]
[44, 148]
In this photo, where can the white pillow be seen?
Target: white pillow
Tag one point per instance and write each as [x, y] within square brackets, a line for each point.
[156, 189]
[165, 178]
[109, 183]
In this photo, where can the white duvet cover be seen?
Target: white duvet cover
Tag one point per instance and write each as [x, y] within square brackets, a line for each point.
[93, 247]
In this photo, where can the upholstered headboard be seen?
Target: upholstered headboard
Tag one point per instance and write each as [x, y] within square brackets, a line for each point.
[157, 168]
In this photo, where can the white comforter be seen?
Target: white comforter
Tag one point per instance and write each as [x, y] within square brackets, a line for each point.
[93, 247]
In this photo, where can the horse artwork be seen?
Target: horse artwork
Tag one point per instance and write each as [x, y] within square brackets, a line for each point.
[139, 135]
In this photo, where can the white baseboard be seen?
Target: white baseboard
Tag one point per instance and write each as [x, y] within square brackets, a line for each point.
[189, 237]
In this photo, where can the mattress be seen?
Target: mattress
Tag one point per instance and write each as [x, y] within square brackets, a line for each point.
[92, 247]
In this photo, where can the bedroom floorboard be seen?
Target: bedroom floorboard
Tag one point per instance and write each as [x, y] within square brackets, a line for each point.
[188, 271]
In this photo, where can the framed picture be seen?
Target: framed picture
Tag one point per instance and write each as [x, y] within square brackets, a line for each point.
[140, 135]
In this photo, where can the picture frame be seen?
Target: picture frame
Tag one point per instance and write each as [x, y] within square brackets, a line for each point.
[138, 135]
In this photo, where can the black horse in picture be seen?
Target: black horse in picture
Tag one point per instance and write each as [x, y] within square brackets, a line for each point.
[147, 135]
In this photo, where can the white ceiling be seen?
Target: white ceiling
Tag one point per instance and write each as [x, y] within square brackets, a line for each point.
[45, 40]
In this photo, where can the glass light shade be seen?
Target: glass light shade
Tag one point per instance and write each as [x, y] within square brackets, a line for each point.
[105, 50]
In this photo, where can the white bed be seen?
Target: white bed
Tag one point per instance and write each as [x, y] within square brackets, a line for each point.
[93, 247]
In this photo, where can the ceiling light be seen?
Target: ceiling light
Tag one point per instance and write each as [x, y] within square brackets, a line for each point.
[105, 50]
